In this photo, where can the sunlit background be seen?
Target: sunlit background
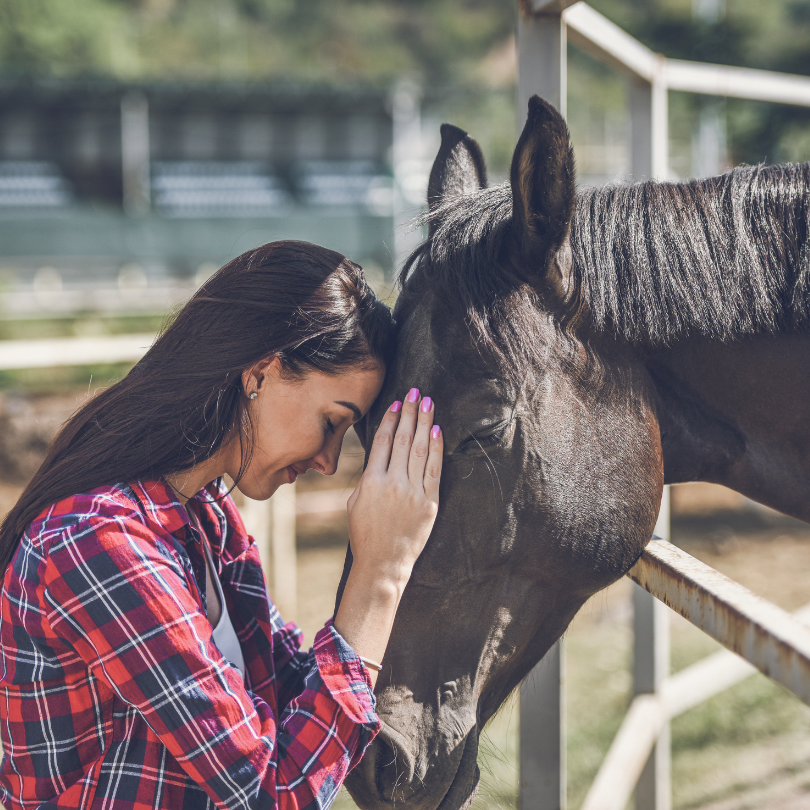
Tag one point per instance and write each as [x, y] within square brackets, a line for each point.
[143, 143]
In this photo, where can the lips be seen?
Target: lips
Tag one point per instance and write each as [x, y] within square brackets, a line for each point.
[293, 473]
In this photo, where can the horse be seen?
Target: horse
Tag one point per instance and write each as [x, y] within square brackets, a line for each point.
[583, 348]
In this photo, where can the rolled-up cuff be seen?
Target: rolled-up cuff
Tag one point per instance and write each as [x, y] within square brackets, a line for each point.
[346, 677]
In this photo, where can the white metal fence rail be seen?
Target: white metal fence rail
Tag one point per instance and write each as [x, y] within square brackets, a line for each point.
[640, 756]
[776, 643]
[79, 351]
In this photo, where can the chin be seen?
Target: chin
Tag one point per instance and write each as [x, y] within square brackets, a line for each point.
[258, 491]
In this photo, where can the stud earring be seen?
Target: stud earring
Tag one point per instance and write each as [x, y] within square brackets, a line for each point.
[254, 395]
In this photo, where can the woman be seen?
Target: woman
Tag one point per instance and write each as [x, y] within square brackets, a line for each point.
[143, 664]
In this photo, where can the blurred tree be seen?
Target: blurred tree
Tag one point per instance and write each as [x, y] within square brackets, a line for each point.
[308, 40]
[62, 37]
[459, 48]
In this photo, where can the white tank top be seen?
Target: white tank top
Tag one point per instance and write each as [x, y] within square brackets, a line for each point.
[224, 635]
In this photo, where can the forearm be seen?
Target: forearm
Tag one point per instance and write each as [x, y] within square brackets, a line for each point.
[367, 610]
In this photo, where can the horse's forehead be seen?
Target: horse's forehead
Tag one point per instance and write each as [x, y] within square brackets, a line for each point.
[417, 346]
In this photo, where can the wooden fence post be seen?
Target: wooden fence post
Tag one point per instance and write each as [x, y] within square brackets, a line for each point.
[272, 524]
[285, 559]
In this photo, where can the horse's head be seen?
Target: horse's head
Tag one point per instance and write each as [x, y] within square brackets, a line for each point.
[552, 468]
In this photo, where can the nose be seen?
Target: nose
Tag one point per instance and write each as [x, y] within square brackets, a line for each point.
[326, 461]
[391, 766]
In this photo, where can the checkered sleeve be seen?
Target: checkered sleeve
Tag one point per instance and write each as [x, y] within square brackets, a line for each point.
[123, 599]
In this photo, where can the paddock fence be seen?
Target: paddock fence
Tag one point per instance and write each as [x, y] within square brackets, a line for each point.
[758, 635]
[767, 638]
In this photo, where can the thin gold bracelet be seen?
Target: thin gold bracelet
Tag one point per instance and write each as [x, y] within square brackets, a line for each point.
[370, 664]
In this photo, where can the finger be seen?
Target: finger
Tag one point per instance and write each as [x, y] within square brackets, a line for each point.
[380, 453]
[433, 468]
[404, 436]
[421, 441]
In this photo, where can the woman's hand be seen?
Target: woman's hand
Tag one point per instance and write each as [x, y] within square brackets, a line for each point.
[392, 511]
[391, 515]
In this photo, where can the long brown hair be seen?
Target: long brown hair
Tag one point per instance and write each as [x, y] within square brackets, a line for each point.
[307, 305]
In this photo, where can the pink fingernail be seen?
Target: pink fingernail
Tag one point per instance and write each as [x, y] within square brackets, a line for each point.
[396, 407]
[413, 395]
[436, 432]
[426, 403]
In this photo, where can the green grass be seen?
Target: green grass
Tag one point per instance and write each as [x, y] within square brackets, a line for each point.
[78, 325]
[62, 380]
[709, 743]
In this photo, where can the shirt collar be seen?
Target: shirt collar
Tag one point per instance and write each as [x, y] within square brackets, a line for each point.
[163, 509]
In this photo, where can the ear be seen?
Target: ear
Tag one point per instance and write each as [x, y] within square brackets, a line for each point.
[459, 168]
[543, 188]
[259, 374]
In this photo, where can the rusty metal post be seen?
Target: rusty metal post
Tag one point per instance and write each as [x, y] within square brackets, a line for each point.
[650, 670]
[542, 69]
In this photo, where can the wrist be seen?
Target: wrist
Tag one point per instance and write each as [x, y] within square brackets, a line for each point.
[381, 584]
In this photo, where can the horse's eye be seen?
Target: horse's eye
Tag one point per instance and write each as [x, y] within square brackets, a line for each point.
[490, 437]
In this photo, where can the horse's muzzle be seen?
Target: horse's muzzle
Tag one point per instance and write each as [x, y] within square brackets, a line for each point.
[388, 775]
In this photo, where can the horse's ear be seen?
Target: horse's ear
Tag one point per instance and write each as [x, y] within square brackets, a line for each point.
[459, 168]
[543, 187]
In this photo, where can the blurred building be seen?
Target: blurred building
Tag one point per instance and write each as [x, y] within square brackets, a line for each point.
[136, 188]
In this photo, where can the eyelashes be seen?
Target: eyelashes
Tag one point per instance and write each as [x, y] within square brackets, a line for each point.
[483, 441]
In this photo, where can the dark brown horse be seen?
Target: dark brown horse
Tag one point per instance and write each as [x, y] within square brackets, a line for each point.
[582, 350]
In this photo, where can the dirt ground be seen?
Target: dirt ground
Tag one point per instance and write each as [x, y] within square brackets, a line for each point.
[748, 748]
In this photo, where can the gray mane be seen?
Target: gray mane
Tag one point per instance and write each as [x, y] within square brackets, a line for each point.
[722, 258]
[652, 262]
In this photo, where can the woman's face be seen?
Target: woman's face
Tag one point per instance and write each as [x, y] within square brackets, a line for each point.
[299, 424]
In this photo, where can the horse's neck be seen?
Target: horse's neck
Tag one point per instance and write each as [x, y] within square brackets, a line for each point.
[738, 414]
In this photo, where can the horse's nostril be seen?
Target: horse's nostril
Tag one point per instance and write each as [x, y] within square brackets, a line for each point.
[395, 765]
[448, 691]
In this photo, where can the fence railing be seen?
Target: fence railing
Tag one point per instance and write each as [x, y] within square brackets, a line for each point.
[757, 631]
[640, 756]
[776, 643]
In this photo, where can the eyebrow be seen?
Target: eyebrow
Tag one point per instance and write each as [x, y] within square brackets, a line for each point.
[352, 407]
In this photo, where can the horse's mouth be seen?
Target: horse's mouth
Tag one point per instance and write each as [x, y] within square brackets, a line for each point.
[464, 787]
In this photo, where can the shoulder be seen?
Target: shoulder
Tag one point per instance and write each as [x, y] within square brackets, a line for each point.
[111, 518]
[93, 510]
[107, 535]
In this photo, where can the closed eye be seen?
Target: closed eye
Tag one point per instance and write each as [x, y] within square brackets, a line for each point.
[484, 440]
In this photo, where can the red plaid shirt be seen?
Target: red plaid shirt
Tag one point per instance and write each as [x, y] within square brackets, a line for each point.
[113, 694]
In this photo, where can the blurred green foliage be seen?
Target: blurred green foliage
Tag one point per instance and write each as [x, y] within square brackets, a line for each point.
[458, 49]
[80, 324]
[302, 40]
